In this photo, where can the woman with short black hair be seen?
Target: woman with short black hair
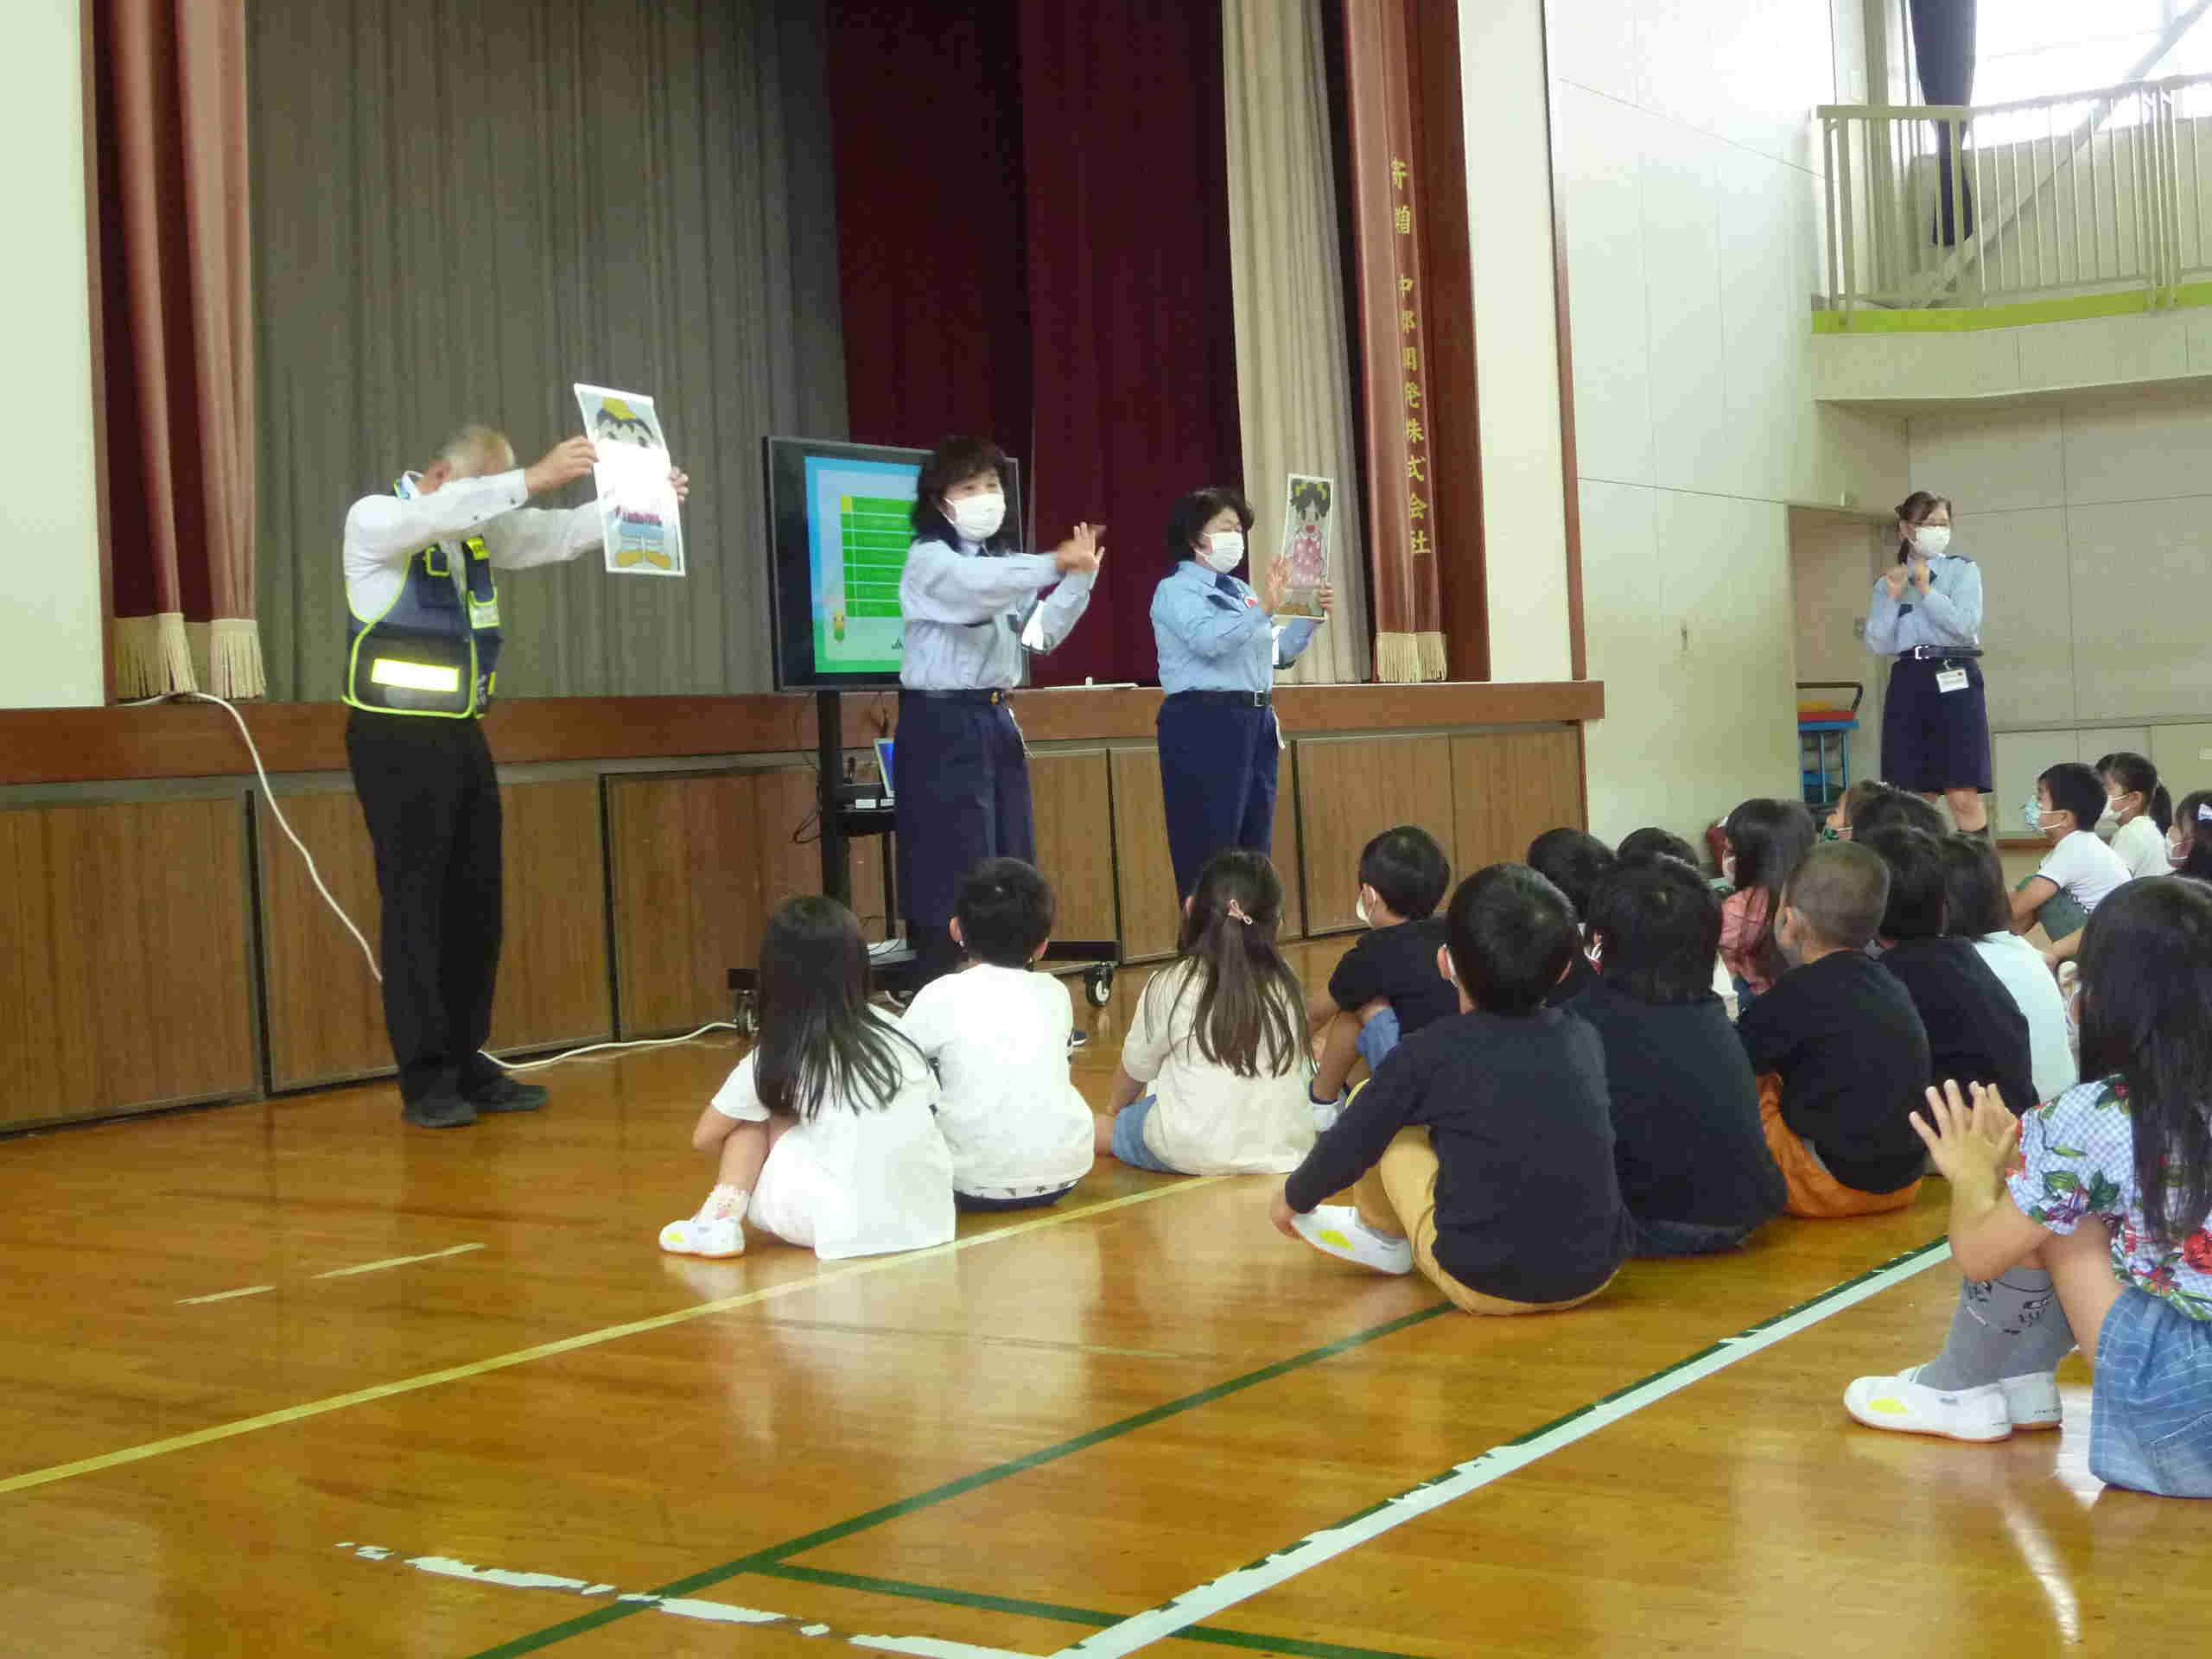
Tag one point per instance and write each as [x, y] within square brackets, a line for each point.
[1219, 646]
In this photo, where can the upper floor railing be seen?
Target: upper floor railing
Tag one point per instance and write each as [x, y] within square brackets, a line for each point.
[2099, 191]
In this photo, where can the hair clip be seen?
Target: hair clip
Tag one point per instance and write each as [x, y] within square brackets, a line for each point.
[2204, 812]
[1236, 913]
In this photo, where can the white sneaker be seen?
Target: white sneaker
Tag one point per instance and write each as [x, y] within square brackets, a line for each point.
[1336, 1230]
[1900, 1403]
[695, 1237]
[2030, 1401]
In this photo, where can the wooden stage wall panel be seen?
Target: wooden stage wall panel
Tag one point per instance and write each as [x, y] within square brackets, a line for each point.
[325, 1016]
[325, 1013]
[1286, 846]
[1143, 874]
[686, 858]
[126, 981]
[1507, 789]
[554, 983]
[1074, 800]
[1352, 789]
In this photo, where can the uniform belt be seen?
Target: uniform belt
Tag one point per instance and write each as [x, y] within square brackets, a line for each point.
[992, 695]
[1233, 699]
[1943, 653]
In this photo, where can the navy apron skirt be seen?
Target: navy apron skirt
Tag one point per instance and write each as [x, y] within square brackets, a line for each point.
[1934, 740]
[1218, 753]
[962, 797]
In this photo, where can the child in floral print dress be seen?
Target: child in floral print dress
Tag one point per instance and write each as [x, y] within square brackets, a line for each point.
[2098, 1227]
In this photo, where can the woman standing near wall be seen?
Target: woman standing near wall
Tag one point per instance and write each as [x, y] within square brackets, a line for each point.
[1927, 615]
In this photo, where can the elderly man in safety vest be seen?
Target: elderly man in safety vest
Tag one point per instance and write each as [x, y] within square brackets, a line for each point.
[422, 663]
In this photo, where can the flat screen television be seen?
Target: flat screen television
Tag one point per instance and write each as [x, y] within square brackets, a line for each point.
[839, 525]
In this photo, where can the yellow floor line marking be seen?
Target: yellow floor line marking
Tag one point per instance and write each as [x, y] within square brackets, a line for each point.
[397, 1261]
[570, 1345]
[223, 1295]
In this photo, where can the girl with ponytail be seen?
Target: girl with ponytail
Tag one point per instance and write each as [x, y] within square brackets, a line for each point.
[1216, 1046]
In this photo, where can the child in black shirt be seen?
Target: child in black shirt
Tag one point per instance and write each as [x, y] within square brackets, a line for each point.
[1840, 1051]
[1575, 861]
[1483, 1153]
[1386, 987]
[1694, 1168]
[1976, 1032]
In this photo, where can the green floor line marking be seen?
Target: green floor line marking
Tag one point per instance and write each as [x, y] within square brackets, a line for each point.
[775, 1554]
[951, 1488]
[1091, 1616]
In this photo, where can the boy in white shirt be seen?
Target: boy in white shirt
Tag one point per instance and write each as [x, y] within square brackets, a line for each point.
[2080, 870]
[997, 1032]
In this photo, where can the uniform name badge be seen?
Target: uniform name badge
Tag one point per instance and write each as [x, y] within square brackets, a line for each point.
[1951, 679]
[484, 613]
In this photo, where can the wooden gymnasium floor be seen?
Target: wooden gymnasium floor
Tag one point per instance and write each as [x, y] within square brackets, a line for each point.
[289, 1379]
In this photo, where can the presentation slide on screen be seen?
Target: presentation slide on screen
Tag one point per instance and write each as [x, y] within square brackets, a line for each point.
[858, 526]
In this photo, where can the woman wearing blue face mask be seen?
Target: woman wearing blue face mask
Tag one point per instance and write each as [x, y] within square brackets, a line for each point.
[1219, 646]
[1926, 613]
[967, 593]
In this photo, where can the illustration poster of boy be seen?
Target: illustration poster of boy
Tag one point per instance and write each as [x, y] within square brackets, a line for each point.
[1306, 544]
[637, 502]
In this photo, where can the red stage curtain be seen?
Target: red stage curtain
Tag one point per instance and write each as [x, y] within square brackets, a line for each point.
[1067, 293]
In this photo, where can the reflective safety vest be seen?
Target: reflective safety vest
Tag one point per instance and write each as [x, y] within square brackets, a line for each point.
[436, 650]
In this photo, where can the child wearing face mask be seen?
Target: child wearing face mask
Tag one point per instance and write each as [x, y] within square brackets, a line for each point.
[2189, 843]
[1840, 1051]
[1219, 647]
[2080, 872]
[2137, 812]
[1386, 987]
[968, 596]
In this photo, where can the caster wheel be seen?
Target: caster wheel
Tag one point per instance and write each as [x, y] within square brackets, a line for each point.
[1098, 985]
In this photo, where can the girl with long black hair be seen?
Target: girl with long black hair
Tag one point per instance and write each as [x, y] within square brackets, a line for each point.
[1218, 1039]
[826, 1133]
[2090, 1220]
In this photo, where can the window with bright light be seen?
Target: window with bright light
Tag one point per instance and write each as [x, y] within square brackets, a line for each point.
[2043, 48]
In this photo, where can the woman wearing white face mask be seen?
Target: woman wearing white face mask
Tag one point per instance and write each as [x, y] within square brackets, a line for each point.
[1219, 647]
[1926, 613]
[965, 595]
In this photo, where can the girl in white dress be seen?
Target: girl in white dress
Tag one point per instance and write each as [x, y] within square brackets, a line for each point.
[826, 1133]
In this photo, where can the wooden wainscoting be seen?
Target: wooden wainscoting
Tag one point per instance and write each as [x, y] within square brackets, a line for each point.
[555, 989]
[325, 1013]
[1287, 840]
[1144, 876]
[1508, 788]
[1350, 790]
[1073, 793]
[685, 853]
[127, 982]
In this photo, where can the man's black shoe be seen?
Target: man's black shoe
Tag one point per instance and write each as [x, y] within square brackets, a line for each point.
[505, 1095]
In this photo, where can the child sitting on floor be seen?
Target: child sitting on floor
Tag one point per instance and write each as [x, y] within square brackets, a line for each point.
[1898, 809]
[1694, 1170]
[1019, 1132]
[1574, 862]
[1841, 1052]
[2101, 1199]
[1975, 909]
[1386, 987]
[1976, 1032]
[1844, 815]
[2079, 873]
[824, 1136]
[1219, 1036]
[1765, 840]
[1483, 1153]
[1654, 843]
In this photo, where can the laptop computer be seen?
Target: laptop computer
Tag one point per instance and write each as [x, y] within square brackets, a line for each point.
[883, 747]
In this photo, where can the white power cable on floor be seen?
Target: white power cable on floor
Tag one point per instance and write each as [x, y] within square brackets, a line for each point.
[339, 910]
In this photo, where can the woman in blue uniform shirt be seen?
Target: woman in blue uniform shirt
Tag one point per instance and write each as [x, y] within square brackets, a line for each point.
[1927, 613]
[966, 596]
[1219, 647]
